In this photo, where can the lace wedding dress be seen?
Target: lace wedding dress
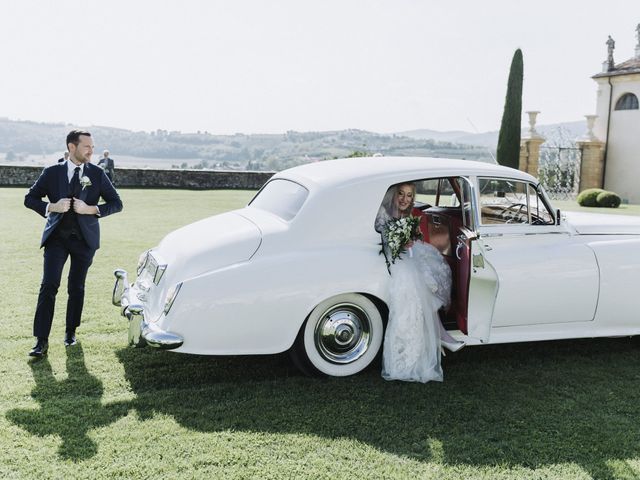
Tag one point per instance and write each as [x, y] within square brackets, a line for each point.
[419, 286]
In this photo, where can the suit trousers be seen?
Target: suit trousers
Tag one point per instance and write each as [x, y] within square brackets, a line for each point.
[56, 252]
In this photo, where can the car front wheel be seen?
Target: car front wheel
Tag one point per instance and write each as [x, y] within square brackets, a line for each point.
[341, 336]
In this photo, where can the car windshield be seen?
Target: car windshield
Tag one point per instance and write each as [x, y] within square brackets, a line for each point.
[281, 197]
[505, 201]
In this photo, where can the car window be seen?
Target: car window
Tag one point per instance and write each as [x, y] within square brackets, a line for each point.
[443, 201]
[281, 197]
[426, 191]
[467, 211]
[504, 201]
[447, 195]
[437, 192]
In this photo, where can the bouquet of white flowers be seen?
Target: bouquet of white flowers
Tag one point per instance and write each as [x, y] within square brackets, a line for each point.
[397, 234]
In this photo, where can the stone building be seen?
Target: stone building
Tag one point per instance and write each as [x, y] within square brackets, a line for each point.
[617, 125]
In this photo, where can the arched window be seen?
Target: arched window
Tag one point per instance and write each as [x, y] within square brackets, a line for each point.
[628, 101]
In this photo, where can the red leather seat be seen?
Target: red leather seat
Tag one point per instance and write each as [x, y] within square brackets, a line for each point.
[424, 228]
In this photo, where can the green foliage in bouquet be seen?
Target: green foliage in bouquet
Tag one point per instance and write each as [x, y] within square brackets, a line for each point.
[397, 234]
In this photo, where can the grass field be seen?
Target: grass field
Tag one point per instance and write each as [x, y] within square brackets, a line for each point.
[553, 410]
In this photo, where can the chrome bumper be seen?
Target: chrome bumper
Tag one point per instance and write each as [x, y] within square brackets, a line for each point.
[141, 332]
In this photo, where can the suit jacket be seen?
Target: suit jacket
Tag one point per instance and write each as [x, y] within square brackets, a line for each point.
[54, 184]
[109, 164]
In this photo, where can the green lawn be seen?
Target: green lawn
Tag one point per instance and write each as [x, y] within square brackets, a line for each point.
[553, 410]
[573, 206]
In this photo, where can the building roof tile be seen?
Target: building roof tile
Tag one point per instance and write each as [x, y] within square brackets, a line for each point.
[625, 68]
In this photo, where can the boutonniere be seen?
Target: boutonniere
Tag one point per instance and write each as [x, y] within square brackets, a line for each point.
[85, 182]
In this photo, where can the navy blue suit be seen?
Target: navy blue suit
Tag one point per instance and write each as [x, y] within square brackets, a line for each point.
[53, 183]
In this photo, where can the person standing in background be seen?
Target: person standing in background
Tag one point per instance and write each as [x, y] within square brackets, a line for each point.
[108, 165]
[64, 158]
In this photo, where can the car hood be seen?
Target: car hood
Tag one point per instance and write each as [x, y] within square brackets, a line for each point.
[208, 244]
[598, 223]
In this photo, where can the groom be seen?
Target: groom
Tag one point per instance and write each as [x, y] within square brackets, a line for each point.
[73, 188]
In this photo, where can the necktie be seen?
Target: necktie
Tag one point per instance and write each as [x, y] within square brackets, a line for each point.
[74, 186]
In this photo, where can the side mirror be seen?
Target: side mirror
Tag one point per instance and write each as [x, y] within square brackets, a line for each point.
[558, 217]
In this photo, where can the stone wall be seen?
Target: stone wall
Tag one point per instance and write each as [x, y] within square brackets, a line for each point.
[22, 176]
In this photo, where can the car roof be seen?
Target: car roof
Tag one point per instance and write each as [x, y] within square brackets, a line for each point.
[352, 170]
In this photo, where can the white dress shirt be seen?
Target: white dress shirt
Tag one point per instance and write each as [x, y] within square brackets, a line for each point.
[71, 168]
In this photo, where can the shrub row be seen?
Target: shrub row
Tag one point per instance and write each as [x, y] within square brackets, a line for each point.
[596, 197]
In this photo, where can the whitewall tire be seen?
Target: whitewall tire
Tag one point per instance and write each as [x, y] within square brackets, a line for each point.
[341, 336]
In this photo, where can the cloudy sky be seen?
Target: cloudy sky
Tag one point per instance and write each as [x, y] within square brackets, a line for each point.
[269, 66]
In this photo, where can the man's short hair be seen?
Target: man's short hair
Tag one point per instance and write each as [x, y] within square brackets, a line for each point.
[74, 136]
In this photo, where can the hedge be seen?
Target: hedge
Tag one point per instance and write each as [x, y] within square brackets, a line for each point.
[597, 197]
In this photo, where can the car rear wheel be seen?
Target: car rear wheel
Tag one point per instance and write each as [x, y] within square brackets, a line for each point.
[341, 336]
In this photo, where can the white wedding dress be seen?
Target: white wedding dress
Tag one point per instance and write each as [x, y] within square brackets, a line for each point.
[419, 286]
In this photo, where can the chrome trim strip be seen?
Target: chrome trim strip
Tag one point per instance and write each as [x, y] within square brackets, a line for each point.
[142, 265]
[155, 266]
[176, 290]
[160, 269]
[518, 234]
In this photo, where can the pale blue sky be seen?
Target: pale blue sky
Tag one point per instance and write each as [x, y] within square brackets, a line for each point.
[256, 66]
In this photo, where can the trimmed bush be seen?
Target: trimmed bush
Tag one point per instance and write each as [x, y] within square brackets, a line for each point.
[608, 200]
[589, 197]
[596, 197]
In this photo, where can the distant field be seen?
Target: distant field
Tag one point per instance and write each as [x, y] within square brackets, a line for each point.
[553, 410]
[121, 161]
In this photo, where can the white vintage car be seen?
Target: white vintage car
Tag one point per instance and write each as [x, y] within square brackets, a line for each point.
[299, 268]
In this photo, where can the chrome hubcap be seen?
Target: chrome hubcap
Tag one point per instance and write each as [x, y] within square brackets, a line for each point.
[343, 333]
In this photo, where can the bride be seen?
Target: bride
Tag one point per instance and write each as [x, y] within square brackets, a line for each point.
[420, 285]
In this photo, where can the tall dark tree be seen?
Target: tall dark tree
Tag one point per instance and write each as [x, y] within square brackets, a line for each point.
[509, 138]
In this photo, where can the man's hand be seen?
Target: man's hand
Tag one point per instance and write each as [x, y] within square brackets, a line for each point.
[61, 206]
[82, 208]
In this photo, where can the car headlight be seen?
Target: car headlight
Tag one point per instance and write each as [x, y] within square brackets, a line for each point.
[142, 261]
[172, 293]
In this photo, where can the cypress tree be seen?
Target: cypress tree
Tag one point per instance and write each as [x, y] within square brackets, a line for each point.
[509, 138]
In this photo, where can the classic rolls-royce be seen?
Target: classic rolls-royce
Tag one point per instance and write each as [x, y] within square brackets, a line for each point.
[299, 268]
